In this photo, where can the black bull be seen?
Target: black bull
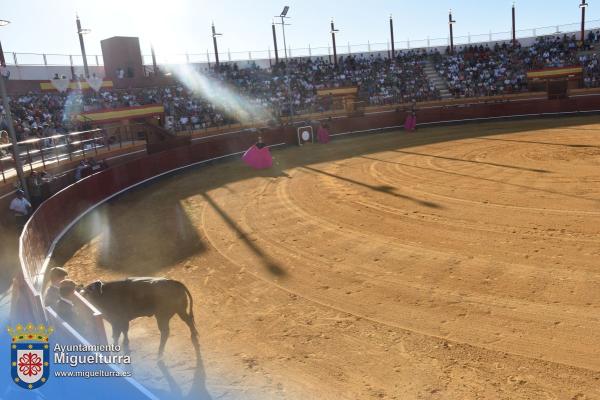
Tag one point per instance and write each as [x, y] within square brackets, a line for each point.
[125, 300]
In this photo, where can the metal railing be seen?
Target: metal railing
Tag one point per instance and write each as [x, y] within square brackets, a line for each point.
[38, 153]
[49, 59]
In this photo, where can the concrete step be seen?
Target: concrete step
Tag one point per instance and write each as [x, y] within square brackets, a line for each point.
[439, 82]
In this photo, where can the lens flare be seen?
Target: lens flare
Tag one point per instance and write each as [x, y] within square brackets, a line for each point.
[223, 97]
[73, 105]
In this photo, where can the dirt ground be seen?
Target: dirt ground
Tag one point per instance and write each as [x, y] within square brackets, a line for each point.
[456, 262]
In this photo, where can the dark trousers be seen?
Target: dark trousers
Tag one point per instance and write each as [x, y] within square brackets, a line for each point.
[20, 221]
[36, 201]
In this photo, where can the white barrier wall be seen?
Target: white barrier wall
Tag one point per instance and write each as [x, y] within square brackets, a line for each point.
[42, 72]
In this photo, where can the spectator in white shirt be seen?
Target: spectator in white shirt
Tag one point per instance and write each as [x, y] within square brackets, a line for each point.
[21, 207]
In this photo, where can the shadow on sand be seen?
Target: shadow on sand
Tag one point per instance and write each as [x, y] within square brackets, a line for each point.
[198, 389]
[446, 172]
[543, 171]
[268, 262]
[379, 188]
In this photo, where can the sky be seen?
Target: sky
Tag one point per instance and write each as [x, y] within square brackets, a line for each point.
[184, 26]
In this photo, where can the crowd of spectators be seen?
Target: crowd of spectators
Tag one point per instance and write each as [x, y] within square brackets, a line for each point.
[482, 71]
[283, 89]
[591, 70]
[502, 69]
[379, 79]
[292, 87]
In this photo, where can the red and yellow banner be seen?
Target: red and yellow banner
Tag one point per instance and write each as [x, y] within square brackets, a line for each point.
[120, 114]
[337, 91]
[554, 72]
[75, 85]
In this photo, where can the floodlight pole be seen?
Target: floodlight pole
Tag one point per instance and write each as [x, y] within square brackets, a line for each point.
[275, 43]
[583, 6]
[283, 30]
[333, 31]
[282, 15]
[80, 32]
[514, 29]
[392, 36]
[451, 22]
[287, 71]
[214, 35]
[154, 66]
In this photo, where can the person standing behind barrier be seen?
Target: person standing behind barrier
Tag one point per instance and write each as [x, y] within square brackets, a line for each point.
[79, 170]
[52, 294]
[21, 207]
[35, 189]
[65, 306]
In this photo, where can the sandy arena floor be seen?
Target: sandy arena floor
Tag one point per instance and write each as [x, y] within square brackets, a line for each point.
[457, 262]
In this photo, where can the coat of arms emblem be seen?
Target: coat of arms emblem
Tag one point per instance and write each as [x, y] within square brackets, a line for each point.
[30, 355]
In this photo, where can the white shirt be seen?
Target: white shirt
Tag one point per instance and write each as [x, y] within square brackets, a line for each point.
[19, 206]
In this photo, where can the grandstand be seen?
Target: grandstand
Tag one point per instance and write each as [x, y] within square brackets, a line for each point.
[484, 69]
[100, 132]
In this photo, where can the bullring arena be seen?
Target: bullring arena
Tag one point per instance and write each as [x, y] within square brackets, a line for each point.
[453, 262]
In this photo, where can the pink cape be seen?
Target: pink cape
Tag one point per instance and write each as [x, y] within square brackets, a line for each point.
[410, 123]
[323, 135]
[258, 158]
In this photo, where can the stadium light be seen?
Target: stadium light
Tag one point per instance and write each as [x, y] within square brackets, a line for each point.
[11, 127]
[214, 36]
[80, 33]
[283, 15]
